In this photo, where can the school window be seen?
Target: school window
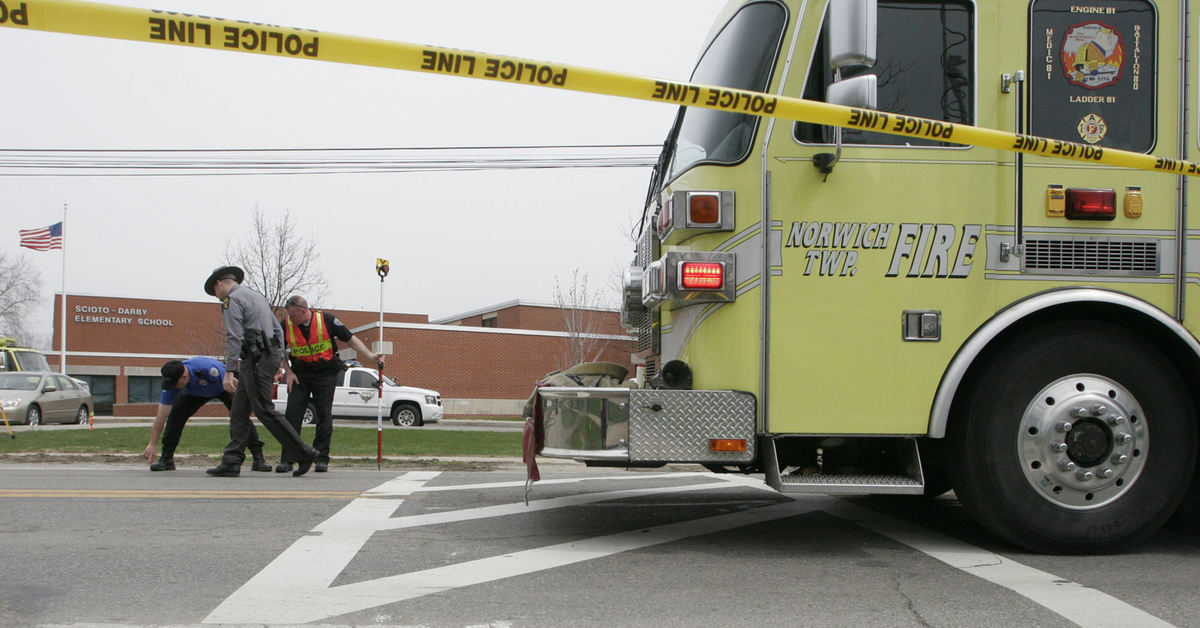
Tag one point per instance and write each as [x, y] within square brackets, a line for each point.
[103, 389]
[489, 320]
[925, 64]
[144, 389]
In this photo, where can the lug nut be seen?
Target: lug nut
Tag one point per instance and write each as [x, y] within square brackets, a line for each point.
[1064, 426]
[1116, 420]
[1123, 439]
[1066, 465]
[1058, 448]
[1099, 409]
[1079, 413]
[1085, 475]
[1106, 473]
[1119, 459]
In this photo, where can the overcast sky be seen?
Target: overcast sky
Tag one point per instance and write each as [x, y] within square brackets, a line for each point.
[457, 241]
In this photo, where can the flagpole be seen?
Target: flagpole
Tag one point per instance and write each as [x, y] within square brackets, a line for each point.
[62, 359]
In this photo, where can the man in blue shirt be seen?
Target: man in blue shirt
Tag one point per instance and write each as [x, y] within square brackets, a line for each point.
[187, 386]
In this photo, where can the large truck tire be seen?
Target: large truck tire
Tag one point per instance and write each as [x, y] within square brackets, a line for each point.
[1075, 437]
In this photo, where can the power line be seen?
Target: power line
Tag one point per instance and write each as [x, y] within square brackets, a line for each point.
[56, 162]
[324, 149]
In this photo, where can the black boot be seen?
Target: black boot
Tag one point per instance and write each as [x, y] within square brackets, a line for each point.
[225, 470]
[164, 463]
[260, 463]
[283, 467]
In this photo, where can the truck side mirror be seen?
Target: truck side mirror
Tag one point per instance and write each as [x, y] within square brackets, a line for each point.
[852, 32]
[860, 92]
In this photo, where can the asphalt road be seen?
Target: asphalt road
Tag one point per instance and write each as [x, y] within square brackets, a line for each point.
[116, 544]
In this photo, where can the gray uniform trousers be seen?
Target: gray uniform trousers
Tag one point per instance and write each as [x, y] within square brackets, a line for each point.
[256, 376]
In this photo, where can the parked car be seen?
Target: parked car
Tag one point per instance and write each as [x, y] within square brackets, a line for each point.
[35, 398]
[356, 396]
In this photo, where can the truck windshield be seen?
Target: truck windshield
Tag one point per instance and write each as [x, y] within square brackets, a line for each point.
[741, 56]
[31, 361]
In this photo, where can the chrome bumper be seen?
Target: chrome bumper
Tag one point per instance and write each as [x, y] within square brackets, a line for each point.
[646, 425]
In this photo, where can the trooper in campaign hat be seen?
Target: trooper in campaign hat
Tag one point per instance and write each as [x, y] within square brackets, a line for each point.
[223, 272]
[253, 351]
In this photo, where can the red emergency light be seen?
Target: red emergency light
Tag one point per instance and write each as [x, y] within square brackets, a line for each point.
[1091, 204]
[701, 275]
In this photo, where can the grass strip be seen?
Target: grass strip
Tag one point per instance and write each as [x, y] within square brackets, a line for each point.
[211, 439]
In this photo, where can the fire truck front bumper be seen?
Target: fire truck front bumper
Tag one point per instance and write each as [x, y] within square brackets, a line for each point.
[646, 426]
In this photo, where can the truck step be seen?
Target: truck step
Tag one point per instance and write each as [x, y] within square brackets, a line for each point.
[851, 484]
[906, 479]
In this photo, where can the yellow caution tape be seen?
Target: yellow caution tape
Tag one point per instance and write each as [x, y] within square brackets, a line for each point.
[169, 27]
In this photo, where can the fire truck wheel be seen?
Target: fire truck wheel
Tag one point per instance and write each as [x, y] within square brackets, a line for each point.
[1075, 437]
[310, 415]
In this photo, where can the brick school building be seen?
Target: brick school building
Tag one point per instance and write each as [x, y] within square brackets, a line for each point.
[484, 362]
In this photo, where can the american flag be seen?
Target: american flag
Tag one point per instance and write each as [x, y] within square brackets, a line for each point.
[43, 239]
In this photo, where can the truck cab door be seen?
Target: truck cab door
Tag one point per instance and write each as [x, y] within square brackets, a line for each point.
[893, 224]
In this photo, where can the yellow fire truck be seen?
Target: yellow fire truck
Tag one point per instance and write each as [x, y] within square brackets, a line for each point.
[852, 312]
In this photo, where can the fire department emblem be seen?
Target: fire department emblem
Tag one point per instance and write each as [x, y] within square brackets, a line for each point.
[1092, 128]
[1092, 55]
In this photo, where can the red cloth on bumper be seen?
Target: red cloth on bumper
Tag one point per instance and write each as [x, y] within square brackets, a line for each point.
[533, 439]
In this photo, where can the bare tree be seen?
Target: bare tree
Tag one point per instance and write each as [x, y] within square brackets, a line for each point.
[278, 261]
[20, 289]
[583, 321]
[207, 338]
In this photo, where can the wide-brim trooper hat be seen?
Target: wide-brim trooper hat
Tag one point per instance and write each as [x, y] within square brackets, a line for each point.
[225, 271]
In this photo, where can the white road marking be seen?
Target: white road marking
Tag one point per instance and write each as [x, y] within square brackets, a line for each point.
[517, 508]
[1083, 605]
[604, 478]
[296, 587]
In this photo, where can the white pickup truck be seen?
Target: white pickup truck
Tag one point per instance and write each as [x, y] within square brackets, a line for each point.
[356, 397]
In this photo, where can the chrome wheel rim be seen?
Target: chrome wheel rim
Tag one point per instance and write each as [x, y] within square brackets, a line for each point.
[1083, 441]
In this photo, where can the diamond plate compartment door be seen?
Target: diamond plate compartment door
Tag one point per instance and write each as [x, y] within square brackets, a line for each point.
[676, 425]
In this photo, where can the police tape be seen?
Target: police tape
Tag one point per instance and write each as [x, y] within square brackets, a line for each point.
[200, 31]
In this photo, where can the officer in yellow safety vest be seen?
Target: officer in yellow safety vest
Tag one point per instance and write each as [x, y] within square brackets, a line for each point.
[312, 371]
